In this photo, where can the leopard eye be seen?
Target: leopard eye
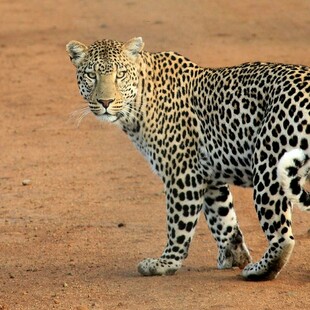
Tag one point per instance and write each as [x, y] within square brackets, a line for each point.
[120, 74]
[91, 75]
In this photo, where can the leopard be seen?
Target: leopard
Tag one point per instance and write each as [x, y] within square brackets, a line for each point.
[202, 130]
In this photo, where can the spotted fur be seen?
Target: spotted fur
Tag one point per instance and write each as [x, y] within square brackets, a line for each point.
[202, 129]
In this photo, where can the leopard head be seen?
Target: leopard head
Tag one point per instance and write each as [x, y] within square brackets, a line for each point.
[107, 75]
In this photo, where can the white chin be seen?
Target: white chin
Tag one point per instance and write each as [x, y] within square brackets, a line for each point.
[107, 118]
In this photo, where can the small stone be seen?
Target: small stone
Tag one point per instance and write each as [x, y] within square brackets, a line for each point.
[121, 225]
[65, 284]
[82, 307]
[26, 182]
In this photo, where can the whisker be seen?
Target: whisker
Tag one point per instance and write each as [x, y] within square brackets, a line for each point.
[132, 112]
[128, 113]
[78, 115]
[134, 109]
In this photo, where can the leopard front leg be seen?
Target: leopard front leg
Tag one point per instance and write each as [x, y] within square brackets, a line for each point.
[184, 203]
[222, 221]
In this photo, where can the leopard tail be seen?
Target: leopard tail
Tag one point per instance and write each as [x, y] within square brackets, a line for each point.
[293, 173]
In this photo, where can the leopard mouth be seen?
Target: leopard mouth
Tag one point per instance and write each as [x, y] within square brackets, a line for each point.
[106, 116]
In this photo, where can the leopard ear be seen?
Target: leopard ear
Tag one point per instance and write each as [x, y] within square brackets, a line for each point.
[76, 51]
[133, 47]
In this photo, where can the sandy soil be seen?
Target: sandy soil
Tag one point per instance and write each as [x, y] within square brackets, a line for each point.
[71, 239]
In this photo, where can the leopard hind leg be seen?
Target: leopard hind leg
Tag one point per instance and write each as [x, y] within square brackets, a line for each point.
[274, 212]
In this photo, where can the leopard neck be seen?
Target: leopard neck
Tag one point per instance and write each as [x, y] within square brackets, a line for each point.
[134, 123]
[165, 84]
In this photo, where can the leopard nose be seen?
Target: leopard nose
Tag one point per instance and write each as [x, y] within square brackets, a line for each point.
[105, 102]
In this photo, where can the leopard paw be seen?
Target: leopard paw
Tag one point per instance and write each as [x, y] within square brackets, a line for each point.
[158, 267]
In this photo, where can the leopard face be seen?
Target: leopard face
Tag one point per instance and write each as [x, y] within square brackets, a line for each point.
[107, 75]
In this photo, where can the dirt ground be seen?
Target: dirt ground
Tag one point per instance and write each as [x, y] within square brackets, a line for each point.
[71, 239]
